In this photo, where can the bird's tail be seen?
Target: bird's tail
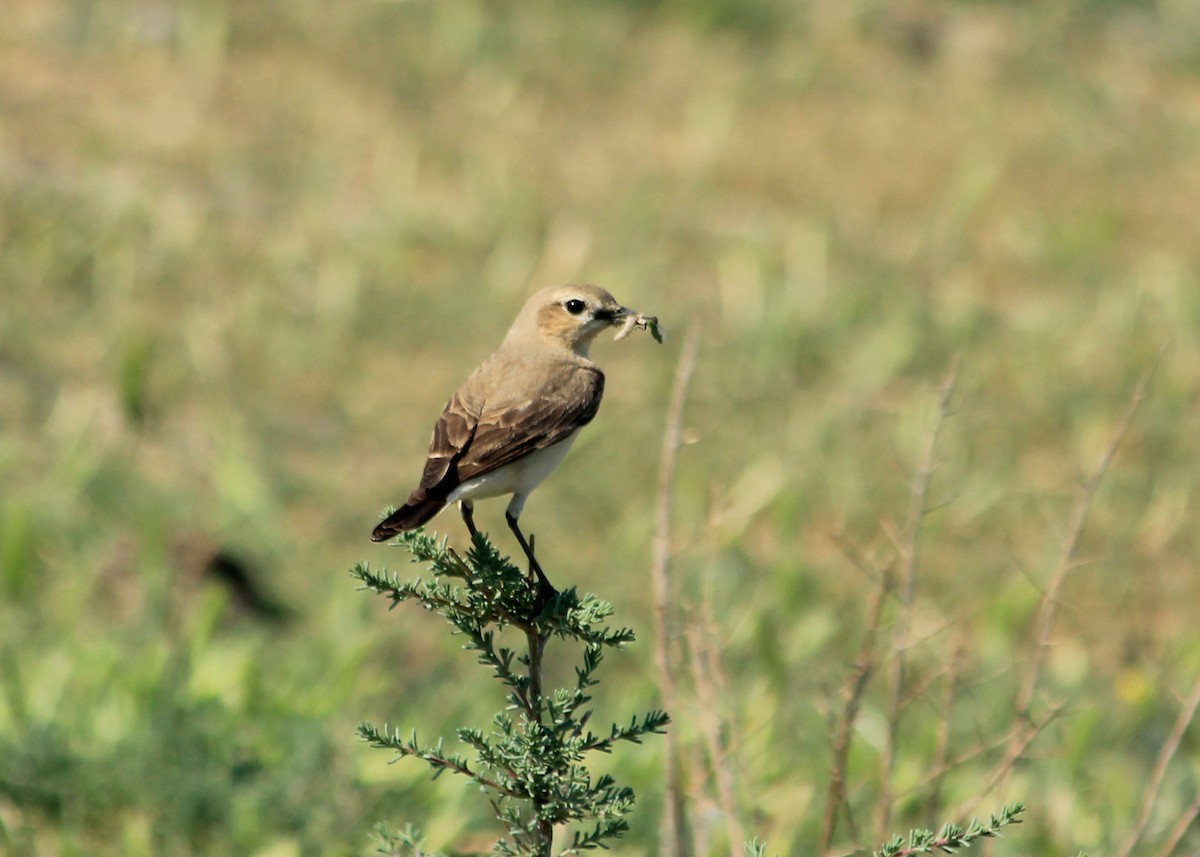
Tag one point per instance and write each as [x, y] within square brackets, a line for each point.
[408, 517]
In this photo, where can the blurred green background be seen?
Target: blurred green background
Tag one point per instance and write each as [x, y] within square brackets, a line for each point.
[248, 248]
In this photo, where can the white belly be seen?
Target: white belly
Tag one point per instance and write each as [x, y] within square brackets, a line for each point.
[518, 478]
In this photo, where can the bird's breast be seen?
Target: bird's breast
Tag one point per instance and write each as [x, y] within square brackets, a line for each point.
[517, 477]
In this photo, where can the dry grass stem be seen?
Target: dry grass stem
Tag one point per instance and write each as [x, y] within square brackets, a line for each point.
[1048, 605]
[708, 678]
[909, 549]
[981, 748]
[865, 664]
[1019, 738]
[1169, 749]
[858, 558]
[1180, 829]
[1068, 560]
[675, 841]
[941, 753]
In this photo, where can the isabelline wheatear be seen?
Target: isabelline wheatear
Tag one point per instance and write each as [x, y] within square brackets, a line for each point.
[512, 421]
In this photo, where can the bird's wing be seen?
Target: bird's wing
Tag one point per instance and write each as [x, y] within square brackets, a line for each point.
[551, 414]
[495, 419]
[452, 435]
[474, 436]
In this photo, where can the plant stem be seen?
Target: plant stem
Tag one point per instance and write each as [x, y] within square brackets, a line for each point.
[852, 693]
[537, 646]
[676, 840]
[906, 586]
[1165, 756]
[1068, 560]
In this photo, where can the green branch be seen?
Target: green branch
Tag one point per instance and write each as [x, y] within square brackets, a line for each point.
[433, 756]
[532, 763]
[951, 837]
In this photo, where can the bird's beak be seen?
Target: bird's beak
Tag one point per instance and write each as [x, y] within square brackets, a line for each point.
[613, 316]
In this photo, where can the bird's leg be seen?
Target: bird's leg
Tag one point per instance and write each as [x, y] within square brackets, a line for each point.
[545, 588]
[468, 515]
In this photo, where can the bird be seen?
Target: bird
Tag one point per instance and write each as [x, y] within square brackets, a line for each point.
[509, 425]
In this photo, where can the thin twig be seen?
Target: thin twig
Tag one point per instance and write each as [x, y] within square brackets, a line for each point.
[981, 748]
[933, 804]
[1019, 739]
[852, 692]
[909, 562]
[1067, 561]
[1180, 829]
[857, 557]
[708, 678]
[1048, 606]
[1169, 748]
[676, 841]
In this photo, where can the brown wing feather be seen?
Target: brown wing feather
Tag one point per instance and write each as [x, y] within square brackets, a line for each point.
[452, 435]
[471, 439]
[507, 435]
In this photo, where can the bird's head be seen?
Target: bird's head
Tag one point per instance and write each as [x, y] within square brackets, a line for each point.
[569, 317]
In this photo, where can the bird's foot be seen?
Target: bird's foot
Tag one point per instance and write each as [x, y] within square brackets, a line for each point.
[545, 590]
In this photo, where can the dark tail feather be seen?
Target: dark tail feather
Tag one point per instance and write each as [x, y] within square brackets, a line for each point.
[410, 516]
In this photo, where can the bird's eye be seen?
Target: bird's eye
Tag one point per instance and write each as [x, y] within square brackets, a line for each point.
[575, 306]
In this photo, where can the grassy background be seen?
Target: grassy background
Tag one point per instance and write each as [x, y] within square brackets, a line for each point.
[246, 249]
